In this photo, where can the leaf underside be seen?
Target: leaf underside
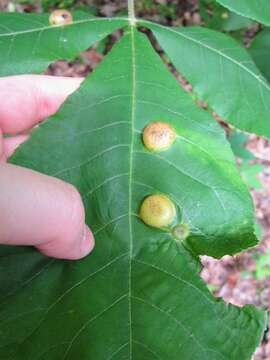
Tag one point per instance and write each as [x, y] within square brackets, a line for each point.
[139, 295]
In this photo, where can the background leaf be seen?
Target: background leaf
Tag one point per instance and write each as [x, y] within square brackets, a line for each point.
[258, 10]
[238, 141]
[249, 170]
[138, 295]
[222, 74]
[220, 18]
[28, 43]
[260, 52]
[250, 174]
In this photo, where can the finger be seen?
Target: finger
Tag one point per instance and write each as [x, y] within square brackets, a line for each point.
[42, 211]
[11, 144]
[28, 99]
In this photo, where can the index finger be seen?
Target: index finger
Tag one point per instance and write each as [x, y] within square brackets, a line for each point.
[25, 100]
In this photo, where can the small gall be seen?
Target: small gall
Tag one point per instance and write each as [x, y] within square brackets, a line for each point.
[180, 231]
[225, 16]
[157, 211]
[60, 17]
[158, 136]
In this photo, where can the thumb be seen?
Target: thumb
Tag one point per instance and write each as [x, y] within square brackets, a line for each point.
[42, 211]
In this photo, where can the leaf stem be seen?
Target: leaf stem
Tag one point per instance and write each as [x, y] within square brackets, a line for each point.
[131, 12]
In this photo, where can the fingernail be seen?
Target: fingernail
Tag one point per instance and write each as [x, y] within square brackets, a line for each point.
[88, 242]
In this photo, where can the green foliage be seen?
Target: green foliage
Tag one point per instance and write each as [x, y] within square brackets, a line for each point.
[260, 52]
[222, 74]
[218, 17]
[139, 295]
[49, 5]
[60, 4]
[262, 271]
[250, 173]
[238, 141]
[165, 10]
[249, 170]
[29, 44]
[258, 10]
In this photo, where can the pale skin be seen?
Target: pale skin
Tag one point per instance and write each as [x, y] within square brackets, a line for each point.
[36, 209]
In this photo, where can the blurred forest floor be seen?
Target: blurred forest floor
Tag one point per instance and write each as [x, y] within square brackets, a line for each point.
[241, 279]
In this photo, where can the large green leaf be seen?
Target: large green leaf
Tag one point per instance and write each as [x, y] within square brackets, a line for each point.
[258, 10]
[28, 43]
[139, 295]
[222, 73]
[260, 52]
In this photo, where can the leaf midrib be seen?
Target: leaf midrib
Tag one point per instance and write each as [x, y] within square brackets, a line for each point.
[130, 196]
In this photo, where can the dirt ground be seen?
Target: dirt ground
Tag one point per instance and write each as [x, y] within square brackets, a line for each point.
[241, 279]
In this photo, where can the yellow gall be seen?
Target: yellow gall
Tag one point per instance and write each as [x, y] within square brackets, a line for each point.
[158, 136]
[60, 17]
[157, 211]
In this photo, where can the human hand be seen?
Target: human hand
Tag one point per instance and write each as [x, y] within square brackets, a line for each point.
[36, 209]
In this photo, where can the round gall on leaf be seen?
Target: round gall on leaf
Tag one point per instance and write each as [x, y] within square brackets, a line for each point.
[225, 16]
[60, 17]
[157, 211]
[180, 231]
[158, 136]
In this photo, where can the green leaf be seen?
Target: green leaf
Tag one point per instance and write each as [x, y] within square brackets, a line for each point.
[258, 10]
[28, 43]
[238, 141]
[201, 161]
[262, 271]
[220, 18]
[248, 170]
[250, 173]
[258, 230]
[139, 295]
[235, 22]
[260, 52]
[222, 74]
